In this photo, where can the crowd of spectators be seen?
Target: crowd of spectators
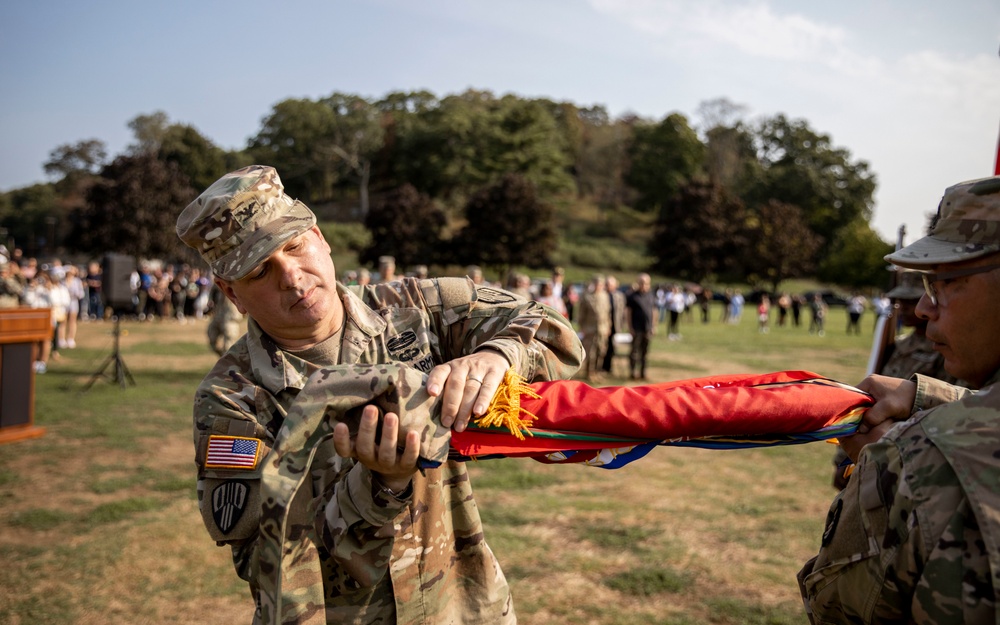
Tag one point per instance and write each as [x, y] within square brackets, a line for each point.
[162, 291]
[75, 293]
[52, 285]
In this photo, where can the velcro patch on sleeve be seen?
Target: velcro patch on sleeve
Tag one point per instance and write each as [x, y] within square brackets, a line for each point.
[233, 452]
[455, 292]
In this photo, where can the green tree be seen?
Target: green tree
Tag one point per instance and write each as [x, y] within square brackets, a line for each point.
[782, 244]
[602, 157]
[855, 259]
[507, 226]
[315, 146]
[195, 156]
[402, 114]
[472, 139]
[289, 140]
[664, 156]
[356, 137]
[531, 141]
[132, 209]
[701, 233]
[72, 161]
[406, 224]
[75, 167]
[801, 167]
[729, 143]
[31, 218]
[149, 131]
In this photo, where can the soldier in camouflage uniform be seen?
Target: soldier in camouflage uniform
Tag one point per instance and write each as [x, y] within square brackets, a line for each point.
[915, 536]
[908, 355]
[224, 327]
[594, 319]
[333, 523]
[11, 289]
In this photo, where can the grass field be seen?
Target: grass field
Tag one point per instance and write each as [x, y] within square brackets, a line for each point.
[98, 518]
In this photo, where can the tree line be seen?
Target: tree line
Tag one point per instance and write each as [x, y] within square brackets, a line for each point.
[474, 178]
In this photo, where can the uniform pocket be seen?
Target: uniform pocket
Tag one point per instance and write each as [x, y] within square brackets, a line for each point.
[847, 574]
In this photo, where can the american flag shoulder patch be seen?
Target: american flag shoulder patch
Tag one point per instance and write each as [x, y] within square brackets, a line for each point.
[232, 452]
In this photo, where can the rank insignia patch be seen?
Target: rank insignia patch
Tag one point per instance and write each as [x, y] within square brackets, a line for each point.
[229, 500]
[232, 452]
[494, 296]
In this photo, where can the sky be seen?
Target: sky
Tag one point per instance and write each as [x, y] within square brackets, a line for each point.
[912, 87]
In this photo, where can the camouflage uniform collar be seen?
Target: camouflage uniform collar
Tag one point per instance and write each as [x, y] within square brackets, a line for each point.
[274, 368]
[360, 314]
[277, 370]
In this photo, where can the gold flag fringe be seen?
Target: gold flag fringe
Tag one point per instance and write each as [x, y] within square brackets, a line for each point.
[505, 410]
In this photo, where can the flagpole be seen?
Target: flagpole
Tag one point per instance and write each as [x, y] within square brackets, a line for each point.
[996, 163]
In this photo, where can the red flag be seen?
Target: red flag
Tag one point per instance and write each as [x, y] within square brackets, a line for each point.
[719, 411]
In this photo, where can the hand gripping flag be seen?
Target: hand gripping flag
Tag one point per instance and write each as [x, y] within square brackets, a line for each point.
[561, 421]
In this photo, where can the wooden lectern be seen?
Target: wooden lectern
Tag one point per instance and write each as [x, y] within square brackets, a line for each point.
[20, 329]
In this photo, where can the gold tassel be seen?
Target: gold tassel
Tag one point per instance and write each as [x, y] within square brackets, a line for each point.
[505, 409]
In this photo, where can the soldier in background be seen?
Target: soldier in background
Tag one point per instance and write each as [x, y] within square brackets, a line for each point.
[386, 269]
[914, 352]
[364, 277]
[375, 540]
[475, 274]
[619, 320]
[594, 319]
[908, 355]
[224, 327]
[11, 289]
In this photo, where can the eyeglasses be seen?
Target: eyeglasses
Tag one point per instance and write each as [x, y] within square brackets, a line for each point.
[931, 277]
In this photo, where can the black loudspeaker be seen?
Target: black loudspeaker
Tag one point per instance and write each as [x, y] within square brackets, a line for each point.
[116, 286]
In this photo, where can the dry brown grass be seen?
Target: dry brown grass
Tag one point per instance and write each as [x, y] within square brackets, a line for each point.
[98, 521]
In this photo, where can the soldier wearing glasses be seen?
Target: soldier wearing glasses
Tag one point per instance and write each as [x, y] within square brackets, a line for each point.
[915, 536]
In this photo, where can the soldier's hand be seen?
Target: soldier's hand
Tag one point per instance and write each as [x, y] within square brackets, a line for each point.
[893, 402]
[852, 445]
[394, 468]
[893, 399]
[466, 386]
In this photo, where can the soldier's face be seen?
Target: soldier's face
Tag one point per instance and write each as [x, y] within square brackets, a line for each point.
[964, 324]
[292, 295]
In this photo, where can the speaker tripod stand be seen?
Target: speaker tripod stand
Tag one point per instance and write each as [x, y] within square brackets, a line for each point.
[121, 373]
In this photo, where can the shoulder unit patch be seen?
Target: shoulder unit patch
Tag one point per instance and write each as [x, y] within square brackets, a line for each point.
[229, 500]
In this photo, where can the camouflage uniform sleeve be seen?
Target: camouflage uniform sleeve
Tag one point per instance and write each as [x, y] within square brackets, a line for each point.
[538, 341]
[225, 406]
[892, 547]
[932, 392]
[352, 513]
[355, 514]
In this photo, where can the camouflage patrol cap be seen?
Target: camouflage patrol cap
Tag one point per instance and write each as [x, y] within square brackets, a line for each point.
[241, 219]
[967, 226]
[911, 286]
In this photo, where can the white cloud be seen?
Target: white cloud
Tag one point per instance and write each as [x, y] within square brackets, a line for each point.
[924, 119]
[753, 29]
